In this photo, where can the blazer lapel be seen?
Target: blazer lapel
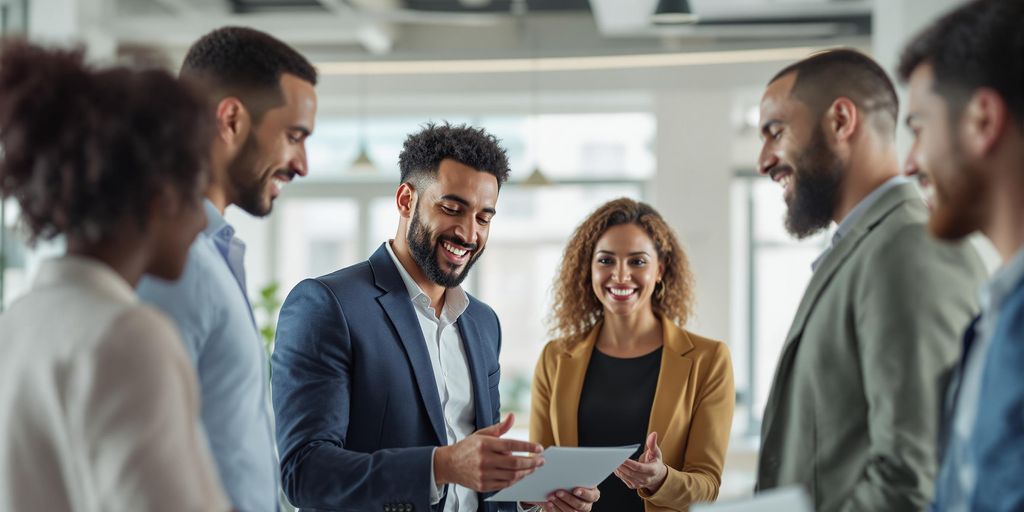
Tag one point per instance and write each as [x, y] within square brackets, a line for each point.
[840, 253]
[567, 388]
[398, 306]
[477, 369]
[885, 205]
[675, 373]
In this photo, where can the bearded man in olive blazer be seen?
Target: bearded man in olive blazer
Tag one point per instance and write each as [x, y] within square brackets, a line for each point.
[854, 409]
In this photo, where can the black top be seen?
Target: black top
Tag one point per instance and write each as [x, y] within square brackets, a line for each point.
[615, 406]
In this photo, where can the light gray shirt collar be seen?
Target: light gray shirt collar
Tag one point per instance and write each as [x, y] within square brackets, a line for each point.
[857, 212]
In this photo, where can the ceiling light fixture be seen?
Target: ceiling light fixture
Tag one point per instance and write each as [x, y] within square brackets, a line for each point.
[536, 177]
[362, 164]
[673, 12]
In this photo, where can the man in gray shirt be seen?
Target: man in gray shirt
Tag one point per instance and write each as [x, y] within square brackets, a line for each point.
[263, 94]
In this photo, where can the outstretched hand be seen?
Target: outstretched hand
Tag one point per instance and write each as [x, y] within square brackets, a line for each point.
[649, 472]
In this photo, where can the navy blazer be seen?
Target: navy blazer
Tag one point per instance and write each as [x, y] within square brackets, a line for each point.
[358, 414]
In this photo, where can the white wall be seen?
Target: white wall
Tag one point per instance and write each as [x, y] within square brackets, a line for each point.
[691, 190]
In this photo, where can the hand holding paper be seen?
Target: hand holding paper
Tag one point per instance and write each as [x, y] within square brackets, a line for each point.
[484, 462]
[581, 499]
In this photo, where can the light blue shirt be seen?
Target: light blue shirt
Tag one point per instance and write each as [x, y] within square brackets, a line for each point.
[210, 306]
[960, 459]
[857, 212]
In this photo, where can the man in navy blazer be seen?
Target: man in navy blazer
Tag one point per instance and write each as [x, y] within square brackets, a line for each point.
[385, 373]
[966, 110]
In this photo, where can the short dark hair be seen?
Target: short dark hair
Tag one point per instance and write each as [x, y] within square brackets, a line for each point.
[848, 73]
[245, 63]
[423, 151]
[980, 44]
[85, 149]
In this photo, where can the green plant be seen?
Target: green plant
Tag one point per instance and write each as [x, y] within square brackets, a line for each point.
[266, 308]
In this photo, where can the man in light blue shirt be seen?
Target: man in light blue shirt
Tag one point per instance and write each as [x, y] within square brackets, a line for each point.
[264, 99]
[966, 78]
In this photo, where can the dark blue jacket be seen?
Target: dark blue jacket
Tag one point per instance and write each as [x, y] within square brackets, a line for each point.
[997, 439]
[998, 435]
[358, 414]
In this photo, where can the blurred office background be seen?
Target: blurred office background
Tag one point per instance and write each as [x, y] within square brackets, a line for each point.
[594, 99]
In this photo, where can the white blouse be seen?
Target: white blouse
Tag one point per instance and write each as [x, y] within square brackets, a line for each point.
[98, 402]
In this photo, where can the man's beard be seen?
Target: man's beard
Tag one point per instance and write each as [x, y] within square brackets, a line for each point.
[958, 208]
[424, 246]
[818, 177]
[249, 189]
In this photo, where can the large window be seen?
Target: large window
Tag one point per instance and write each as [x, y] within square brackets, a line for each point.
[566, 146]
[772, 269]
[340, 214]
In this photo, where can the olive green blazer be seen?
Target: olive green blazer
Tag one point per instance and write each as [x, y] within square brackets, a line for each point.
[854, 409]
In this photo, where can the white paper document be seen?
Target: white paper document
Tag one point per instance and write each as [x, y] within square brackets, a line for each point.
[786, 499]
[566, 468]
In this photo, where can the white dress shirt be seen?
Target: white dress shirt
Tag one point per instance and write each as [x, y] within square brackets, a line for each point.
[99, 408]
[451, 374]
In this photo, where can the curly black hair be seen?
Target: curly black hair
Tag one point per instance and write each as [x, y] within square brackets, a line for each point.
[423, 151]
[247, 64]
[979, 44]
[845, 72]
[86, 149]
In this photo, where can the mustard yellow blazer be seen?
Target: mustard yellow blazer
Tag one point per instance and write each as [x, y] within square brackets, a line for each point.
[692, 410]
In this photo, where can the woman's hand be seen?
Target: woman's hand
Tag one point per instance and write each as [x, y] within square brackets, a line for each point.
[581, 499]
[649, 472]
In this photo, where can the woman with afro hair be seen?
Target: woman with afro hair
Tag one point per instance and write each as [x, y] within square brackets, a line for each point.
[98, 401]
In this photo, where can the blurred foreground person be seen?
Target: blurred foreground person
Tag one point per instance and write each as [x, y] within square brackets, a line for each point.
[98, 402]
[966, 76]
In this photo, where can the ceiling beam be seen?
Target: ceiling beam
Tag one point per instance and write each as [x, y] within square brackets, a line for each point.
[181, 8]
[632, 18]
[378, 38]
[294, 28]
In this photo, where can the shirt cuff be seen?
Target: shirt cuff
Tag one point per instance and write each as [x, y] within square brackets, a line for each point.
[436, 491]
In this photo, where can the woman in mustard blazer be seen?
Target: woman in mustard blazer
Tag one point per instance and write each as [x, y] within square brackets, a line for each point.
[622, 371]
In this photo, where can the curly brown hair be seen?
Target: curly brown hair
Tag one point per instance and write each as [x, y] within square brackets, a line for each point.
[84, 149]
[577, 310]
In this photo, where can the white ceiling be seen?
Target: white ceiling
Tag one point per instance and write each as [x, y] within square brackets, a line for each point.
[374, 29]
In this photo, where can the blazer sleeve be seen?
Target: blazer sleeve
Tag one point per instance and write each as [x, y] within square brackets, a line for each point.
[312, 368]
[701, 475]
[541, 431]
[910, 310]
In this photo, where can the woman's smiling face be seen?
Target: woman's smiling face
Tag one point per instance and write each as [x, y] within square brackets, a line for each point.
[625, 269]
